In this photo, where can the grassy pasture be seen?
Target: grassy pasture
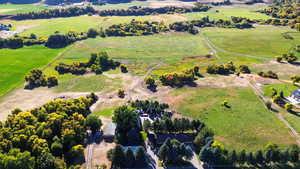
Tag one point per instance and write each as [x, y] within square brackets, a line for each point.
[246, 125]
[46, 27]
[15, 64]
[262, 41]
[287, 89]
[141, 52]
[225, 12]
[10, 9]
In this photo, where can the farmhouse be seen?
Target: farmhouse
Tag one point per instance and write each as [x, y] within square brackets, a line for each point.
[4, 27]
[296, 95]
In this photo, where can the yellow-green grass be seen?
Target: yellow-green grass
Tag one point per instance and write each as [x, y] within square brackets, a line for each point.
[262, 41]
[122, 5]
[16, 63]
[294, 121]
[142, 52]
[46, 27]
[87, 83]
[247, 124]
[225, 12]
[10, 9]
[105, 112]
[286, 88]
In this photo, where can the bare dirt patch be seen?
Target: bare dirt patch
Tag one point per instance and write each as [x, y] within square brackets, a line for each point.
[19, 29]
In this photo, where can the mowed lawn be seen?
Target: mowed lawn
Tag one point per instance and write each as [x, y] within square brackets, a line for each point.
[246, 125]
[15, 64]
[262, 41]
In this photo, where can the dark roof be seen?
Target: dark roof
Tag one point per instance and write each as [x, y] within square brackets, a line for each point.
[296, 93]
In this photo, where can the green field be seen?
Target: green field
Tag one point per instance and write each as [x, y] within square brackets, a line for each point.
[15, 64]
[11, 9]
[262, 41]
[46, 27]
[225, 12]
[287, 89]
[142, 52]
[246, 125]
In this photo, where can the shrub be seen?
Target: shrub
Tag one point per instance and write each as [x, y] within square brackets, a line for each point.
[244, 69]
[288, 106]
[121, 93]
[123, 68]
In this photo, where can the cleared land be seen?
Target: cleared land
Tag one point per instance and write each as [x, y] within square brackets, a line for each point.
[246, 125]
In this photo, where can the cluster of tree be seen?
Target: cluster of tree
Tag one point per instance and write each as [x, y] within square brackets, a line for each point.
[290, 58]
[289, 11]
[128, 126]
[153, 108]
[223, 69]
[167, 125]
[279, 99]
[36, 78]
[189, 26]
[97, 63]
[287, 14]
[140, 11]
[285, 2]
[172, 152]
[215, 154]
[268, 74]
[136, 28]
[51, 136]
[150, 82]
[295, 79]
[127, 158]
[56, 12]
[58, 40]
[221, 3]
[13, 43]
[180, 79]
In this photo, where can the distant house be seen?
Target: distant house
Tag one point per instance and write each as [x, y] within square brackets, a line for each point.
[4, 27]
[296, 95]
[109, 131]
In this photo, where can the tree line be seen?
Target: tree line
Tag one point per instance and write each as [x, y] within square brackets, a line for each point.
[50, 136]
[98, 63]
[122, 157]
[141, 11]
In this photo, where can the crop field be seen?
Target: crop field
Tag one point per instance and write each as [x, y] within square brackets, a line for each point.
[10, 9]
[15, 64]
[247, 124]
[123, 5]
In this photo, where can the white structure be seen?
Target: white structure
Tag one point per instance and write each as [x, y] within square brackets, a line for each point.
[295, 97]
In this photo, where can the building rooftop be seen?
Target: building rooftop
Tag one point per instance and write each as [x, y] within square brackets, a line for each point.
[109, 129]
[296, 93]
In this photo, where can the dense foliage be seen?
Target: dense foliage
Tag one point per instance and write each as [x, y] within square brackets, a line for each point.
[140, 11]
[177, 125]
[268, 74]
[172, 152]
[36, 78]
[127, 158]
[56, 12]
[180, 79]
[152, 108]
[47, 137]
[285, 15]
[97, 63]
[136, 28]
[127, 126]
[58, 40]
[223, 69]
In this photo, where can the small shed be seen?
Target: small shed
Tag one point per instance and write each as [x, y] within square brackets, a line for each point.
[109, 131]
